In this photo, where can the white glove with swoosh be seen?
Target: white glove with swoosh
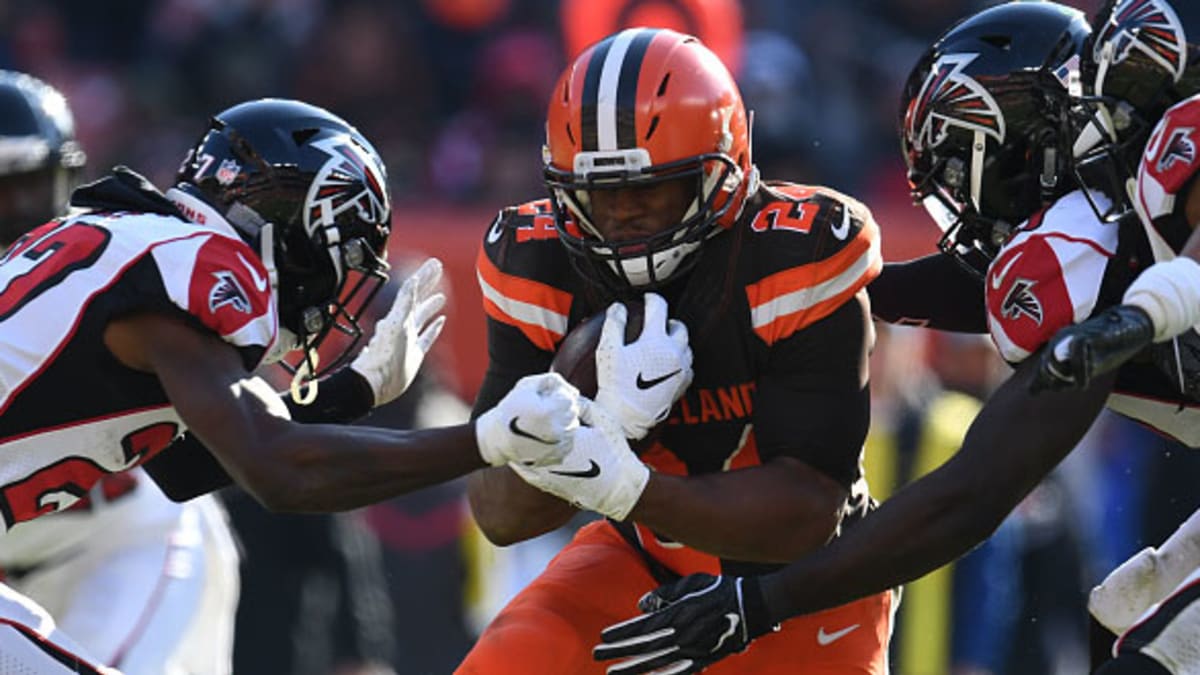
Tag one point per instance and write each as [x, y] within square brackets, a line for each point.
[600, 473]
[533, 424]
[639, 382]
[404, 335]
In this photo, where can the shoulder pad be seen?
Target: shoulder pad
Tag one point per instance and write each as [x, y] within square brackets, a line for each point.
[525, 275]
[223, 284]
[813, 249]
[1047, 276]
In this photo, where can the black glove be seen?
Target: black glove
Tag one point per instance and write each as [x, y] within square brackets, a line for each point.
[1103, 343]
[691, 623]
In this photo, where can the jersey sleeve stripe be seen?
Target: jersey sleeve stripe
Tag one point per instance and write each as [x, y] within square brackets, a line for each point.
[787, 301]
[538, 310]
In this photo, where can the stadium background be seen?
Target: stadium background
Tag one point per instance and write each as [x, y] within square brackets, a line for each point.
[453, 93]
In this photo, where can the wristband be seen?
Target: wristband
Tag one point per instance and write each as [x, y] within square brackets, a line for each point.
[1169, 293]
[343, 397]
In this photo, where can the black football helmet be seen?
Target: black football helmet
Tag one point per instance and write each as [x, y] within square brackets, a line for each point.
[40, 161]
[1138, 63]
[309, 193]
[983, 123]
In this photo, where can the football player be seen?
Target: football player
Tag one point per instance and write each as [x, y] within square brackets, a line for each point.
[992, 128]
[132, 326]
[654, 196]
[145, 584]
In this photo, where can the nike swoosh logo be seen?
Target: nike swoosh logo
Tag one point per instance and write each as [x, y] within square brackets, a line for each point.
[643, 383]
[998, 279]
[825, 639]
[518, 431]
[493, 234]
[260, 283]
[840, 231]
[590, 472]
[733, 620]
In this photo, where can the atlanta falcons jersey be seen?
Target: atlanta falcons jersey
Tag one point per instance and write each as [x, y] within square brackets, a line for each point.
[69, 412]
[1058, 269]
[779, 328]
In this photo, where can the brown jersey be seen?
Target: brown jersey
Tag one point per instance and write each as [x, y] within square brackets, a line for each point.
[779, 328]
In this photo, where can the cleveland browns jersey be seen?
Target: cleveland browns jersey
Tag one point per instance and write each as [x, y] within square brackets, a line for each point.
[1061, 267]
[70, 414]
[779, 327]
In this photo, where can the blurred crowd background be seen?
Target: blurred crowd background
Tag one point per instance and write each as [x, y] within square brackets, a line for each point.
[453, 94]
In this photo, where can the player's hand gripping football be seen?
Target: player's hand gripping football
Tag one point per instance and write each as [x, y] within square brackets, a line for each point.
[1077, 354]
[690, 624]
[404, 335]
[533, 424]
[639, 382]
[600, 473]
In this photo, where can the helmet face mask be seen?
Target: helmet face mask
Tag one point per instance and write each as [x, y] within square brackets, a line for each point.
[983, 123]
[638, 109]
[309, 193]
[40, 160]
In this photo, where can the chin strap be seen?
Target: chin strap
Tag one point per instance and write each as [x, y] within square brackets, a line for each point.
[304, 385]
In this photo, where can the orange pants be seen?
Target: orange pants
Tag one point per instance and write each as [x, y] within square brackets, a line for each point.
[596, 580]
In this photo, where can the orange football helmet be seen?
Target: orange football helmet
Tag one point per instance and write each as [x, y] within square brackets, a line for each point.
[641, 106]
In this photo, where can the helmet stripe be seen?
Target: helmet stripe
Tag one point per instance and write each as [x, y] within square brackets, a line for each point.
[606, 95]
[591, 85]
[627, 87]
[610, 90]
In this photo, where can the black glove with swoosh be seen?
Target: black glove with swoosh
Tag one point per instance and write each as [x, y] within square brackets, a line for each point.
[1079, 353]
[691, 623]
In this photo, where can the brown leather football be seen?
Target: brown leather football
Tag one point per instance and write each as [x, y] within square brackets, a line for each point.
[575, 359]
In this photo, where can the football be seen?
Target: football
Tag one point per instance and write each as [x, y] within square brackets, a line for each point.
[575, 359]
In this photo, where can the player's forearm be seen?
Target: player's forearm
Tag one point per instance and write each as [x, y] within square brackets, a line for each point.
[910, 535]
[334, 468]
[943, 515]
[770, 513]
[509, 510]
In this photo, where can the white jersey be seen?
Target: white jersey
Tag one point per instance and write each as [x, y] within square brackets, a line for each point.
[69, 413]
[1054, 272]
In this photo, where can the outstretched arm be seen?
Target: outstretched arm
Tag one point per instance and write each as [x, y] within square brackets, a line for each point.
[943, 515]
[317, 467]
[924, 526]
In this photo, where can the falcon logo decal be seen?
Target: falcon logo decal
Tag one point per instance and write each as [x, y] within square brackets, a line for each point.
[1021, 301]
[1151, 27]
[1179, 148]
[227, 291]
[951, 98]
[352, 178]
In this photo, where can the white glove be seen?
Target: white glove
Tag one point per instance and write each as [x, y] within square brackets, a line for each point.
[1146, 578]
[533, 424]
[639, 382]
[600, 473]
[404, 336]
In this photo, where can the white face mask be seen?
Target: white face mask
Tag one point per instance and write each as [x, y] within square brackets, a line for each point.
[637, 270]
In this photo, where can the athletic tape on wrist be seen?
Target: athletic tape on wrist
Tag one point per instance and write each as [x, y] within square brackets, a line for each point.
[1169, 292]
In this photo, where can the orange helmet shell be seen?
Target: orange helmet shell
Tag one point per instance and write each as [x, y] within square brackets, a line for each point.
[653, 90]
